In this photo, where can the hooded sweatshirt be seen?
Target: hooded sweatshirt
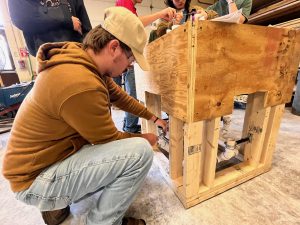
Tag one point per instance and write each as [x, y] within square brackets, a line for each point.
[68, 106]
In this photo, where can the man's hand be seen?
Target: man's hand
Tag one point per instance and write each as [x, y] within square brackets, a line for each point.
[160, 123]
[178, 18]
[163, 124]
[152, 138]
[202, 13]
[76, 24]
[168, 14]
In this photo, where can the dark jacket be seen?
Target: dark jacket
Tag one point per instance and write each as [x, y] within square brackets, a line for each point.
[41, 23]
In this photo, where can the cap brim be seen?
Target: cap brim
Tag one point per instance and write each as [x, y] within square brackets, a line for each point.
[141, 60]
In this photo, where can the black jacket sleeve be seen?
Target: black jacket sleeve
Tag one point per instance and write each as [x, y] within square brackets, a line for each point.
[82, 15]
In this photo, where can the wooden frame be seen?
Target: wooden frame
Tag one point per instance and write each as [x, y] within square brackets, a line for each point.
[194, 78]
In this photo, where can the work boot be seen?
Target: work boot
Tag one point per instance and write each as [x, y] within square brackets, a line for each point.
[55, 217]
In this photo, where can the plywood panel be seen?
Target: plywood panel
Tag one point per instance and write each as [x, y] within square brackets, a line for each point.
[199, 67]
[242, 59]
[168, 59]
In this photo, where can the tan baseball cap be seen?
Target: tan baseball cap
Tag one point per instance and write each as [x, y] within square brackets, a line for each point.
[128, 28]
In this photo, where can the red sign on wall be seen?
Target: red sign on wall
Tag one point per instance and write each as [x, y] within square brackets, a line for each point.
[24, 52]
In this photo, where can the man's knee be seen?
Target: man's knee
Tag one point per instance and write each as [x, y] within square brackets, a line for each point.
[144, 149]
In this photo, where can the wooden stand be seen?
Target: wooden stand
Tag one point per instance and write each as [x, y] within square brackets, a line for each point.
[196, 70]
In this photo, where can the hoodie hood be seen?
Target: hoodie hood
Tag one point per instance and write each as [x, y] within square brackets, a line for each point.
[52, 54]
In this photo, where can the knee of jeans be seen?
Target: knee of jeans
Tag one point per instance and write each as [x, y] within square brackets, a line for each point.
[145, 149]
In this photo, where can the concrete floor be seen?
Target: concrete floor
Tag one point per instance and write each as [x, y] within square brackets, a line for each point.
[272, 198]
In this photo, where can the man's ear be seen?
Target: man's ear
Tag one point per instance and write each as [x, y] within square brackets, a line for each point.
[113, 46]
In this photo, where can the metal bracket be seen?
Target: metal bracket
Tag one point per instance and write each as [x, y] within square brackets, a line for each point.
[255, 129]
[194, 149]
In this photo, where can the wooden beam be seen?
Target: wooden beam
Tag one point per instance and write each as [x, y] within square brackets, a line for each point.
[192, 166]
[274, 11]
[154, 105]
[176, 147]
[258, 120]
[211, 133]
[272, 131]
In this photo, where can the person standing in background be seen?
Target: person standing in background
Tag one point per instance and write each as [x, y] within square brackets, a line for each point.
[184, 8]
[224, 7]
[130, 120]
[45, 21]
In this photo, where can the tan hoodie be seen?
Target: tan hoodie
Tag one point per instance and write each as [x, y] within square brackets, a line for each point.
[68, 106]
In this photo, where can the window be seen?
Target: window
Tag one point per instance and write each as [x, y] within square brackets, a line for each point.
[6, 62]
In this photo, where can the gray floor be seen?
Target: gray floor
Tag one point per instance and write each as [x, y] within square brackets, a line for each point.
[272, 198]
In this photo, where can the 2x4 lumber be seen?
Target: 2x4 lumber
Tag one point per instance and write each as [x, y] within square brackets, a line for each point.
[248, 110]
[290, 24]
[176, 147]
[259, 4]
[258, 119]
[192, 169]
[192, 51]
[225, 180]
[153, 104]
[272, 131]
[211, 132]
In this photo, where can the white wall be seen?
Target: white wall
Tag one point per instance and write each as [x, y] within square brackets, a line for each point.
[95, 9]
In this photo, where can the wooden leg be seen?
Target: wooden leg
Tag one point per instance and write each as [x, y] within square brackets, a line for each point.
[257, 121]
[246, 119]
[192, 171]
[271, 134]
[153, 103]
[176, 147]
[143, 123]
[211, 133]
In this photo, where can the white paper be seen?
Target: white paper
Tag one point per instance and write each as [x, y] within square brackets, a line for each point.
[230, 18]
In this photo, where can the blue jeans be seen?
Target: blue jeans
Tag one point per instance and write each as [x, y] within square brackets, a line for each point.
[117, 168]
[296, 101]
[130, 120]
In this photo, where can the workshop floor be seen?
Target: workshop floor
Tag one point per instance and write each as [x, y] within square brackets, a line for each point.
[272, 198]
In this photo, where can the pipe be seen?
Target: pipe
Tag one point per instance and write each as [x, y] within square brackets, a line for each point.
[229, 152]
